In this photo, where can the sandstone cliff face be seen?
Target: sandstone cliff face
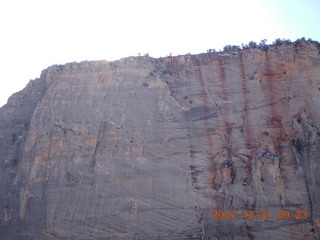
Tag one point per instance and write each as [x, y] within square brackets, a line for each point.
[145, 148]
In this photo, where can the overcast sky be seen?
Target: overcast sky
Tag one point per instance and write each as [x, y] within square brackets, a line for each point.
[36, 34]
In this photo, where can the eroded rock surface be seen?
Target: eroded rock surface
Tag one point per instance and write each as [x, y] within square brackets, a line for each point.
[145, 148]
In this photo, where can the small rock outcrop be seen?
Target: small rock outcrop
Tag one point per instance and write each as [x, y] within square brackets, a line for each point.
[209, 146]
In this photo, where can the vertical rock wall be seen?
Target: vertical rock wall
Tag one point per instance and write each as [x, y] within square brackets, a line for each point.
[145, 148]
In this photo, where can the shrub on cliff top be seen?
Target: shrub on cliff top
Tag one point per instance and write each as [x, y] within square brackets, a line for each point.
[252, 44]
[231, 48]
[264, 46]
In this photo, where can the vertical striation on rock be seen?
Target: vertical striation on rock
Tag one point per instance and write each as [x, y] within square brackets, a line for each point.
[14, 126]
[145, 148]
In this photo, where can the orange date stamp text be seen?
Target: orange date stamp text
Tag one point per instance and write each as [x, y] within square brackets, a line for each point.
[250, 214]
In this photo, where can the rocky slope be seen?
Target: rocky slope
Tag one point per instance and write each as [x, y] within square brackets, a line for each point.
[145, 148]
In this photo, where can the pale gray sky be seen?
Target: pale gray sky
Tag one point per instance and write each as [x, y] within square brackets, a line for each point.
[36, 34]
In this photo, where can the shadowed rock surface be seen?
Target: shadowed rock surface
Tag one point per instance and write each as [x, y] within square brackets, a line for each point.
[145, 148]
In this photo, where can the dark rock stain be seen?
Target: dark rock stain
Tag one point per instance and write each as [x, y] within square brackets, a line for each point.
[270, 86]
[209, 142]
[200, 113]
[248, 125]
